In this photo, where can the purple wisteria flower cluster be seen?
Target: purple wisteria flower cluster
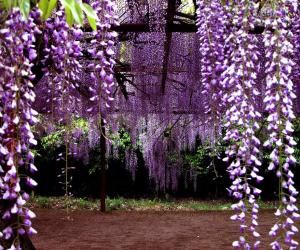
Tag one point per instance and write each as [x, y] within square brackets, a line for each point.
[238, 88]
[59, 51]
[241, 121]
[17, 52]
[278, 101]
[62, 67]
[102, 52]
[212, 20]
[62, 51]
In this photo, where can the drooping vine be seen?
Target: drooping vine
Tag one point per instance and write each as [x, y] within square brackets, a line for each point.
[241, 121]
[19, 35]
[62, 69]
[212, 30]
[17, 51]
[102, 63]
[280, 93]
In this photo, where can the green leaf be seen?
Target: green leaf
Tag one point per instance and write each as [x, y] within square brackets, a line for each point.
[79, 13]
[5, 4]
[69, 16]
[67, 3]
[10, 4]
[25, 7]
[51, 7]
[91, 15]
[43, 5]
[70, 5]
[92, 22]
[89, 11]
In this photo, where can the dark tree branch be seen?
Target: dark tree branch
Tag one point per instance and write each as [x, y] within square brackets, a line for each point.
[121, 80]
[170, 17]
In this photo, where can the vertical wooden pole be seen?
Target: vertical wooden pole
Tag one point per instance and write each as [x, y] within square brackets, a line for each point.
[102, 167]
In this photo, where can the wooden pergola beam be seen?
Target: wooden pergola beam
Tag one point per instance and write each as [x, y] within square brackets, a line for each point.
[142, 27]
[174, 27]
[159, 111]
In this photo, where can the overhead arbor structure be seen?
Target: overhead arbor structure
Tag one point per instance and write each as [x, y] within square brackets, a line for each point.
[158, 75]
[157, 95]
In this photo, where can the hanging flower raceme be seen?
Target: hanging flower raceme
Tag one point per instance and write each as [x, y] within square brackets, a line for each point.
[102, 63]
[62, 68]
[212, 26]
[17, 51]
[241, 122]
[211, 22]
[279, 106]
[296, 57]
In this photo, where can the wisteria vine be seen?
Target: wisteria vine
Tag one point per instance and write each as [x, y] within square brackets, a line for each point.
[242, 120]
[239, 92]
[61, 70]
[212, 21]
[17, 51]
[279, 107]
[102, 64]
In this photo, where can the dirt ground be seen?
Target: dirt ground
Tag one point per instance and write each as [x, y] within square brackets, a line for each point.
[140, 230]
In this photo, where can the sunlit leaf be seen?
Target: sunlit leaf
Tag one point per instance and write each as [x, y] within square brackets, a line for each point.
[43, 5]
[51, 7]
[70, 6]
[91, 15]
[25, 7]
[69, 16]
[79, 13]
[89, 11]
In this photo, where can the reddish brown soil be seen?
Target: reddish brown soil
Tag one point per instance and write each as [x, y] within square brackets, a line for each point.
[140, 230]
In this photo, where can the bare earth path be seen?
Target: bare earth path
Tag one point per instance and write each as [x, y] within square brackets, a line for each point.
[140, 230]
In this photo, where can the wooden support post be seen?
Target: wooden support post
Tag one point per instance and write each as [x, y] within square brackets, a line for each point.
[102, 166]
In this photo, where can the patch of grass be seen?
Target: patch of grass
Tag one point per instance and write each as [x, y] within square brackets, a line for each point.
[63, 202]
[44, 202]
[136, 204]
[206, 205]
[115, 204]
[148, 204]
